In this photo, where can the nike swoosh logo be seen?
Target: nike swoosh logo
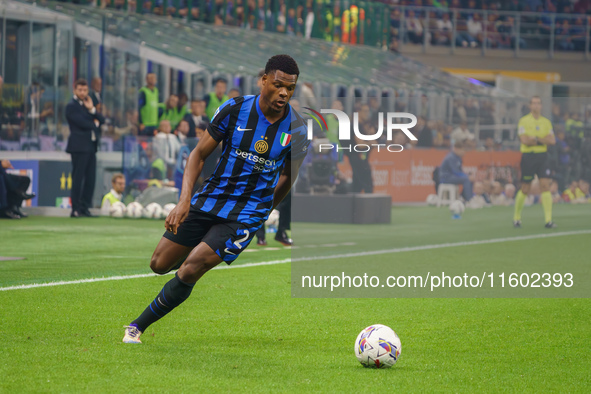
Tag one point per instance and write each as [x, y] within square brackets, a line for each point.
[162, 303]
[239, 129]
[228, 252]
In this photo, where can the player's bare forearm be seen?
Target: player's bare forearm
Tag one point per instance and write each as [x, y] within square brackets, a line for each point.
[286, 181]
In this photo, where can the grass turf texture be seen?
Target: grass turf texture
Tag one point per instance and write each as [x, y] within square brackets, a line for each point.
[241, 330]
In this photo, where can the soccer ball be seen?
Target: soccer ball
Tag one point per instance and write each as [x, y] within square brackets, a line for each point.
[134, 210]
[273, 219]
[152, 211]
[457, 207]
[166, 209]
[117, 210]
[377, 346]
[432, 199]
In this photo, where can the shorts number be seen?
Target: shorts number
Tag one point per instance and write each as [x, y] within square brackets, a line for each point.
[237, 243]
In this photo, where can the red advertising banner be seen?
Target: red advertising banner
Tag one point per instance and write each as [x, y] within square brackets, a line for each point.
[408, 176]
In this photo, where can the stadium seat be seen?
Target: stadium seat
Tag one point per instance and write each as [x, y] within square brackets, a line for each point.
[447, 189]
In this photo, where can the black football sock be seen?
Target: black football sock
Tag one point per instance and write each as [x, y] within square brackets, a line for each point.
[172, 295]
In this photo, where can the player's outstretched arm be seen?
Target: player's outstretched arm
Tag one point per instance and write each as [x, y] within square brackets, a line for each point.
[193, 169]
[286, 181]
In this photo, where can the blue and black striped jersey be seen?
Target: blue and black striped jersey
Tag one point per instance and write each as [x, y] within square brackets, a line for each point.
[253, 154]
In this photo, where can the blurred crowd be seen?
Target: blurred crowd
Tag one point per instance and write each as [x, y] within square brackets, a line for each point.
[468, 23]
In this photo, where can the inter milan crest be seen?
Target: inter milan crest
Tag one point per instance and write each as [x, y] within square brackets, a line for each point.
[261, 146]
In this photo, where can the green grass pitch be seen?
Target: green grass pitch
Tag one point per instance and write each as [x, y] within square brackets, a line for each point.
[242, 331]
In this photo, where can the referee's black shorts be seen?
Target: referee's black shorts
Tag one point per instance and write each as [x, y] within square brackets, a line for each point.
[534, 164]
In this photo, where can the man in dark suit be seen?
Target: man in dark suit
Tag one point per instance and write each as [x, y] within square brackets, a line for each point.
[197, 118]
[84, 121]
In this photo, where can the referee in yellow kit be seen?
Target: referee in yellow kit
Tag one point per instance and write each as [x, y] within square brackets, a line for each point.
[535, 133]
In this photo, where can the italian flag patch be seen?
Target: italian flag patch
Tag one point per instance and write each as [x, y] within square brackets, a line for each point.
[285, 138]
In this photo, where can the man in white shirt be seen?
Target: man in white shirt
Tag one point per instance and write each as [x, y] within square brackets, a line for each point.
[414, 28]
[166, 145]
[462, 134]
[444, 29]
[474, 26]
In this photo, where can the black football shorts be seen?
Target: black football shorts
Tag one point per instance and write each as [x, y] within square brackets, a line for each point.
[534, 164]
[227, 238]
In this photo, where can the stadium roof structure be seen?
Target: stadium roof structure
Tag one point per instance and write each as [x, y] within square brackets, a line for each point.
[241, 51]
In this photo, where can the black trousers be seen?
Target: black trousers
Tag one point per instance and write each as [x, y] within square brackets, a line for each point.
[284, 209]
[83, 178]
[11, 189]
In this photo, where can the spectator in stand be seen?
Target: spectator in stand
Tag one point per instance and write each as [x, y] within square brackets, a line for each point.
[499, 195]
[234, 92]
[435, 132]
[182, 105]
[148, 106]
[564, 36]
[573, 194]
[216, 98]
[514, 5]
[166, 145]
[462, 134]
[459, 113]
[115, 195]
[578, 32]
[170, 111]
[196, 119]
[307, 97]
[467, 31]
[182, 132]
[451, 170]
[414, 28]
[424, 133]
[584, 186]
[492, 35]
[475, 31]
[34, 111]
[510, 193]
[96, 84]
[507, 35]
[480, 198]
[442, 36]
[395, 24]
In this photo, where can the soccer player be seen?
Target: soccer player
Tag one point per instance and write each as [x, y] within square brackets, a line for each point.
[535, 133]
[264, 143]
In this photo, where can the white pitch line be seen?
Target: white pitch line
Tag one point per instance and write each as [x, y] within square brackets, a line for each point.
[337, 256]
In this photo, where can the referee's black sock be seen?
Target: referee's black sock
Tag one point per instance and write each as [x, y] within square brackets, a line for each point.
[172, 295]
